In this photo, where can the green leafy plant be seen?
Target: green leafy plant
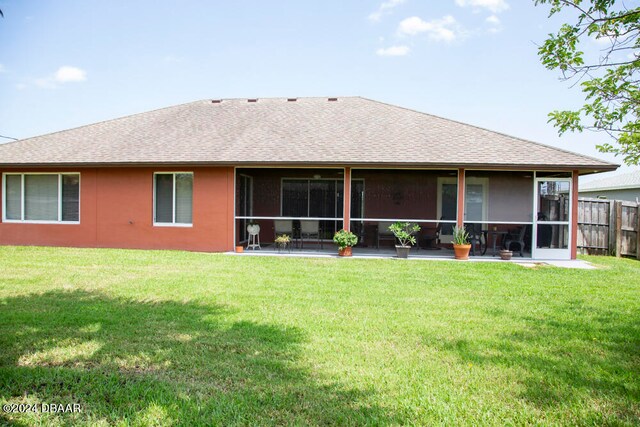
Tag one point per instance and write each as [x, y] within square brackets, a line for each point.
[404, 232]
[609, 77]
[283, 239]
[460, 236]
[345, 239]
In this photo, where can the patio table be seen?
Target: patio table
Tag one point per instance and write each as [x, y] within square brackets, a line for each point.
[494, 234]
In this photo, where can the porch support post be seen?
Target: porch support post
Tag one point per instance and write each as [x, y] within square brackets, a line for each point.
[346, 202]
[231, 207]
[574, 215]
[460, 219]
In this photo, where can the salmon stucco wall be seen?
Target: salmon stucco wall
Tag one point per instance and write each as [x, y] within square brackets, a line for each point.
[116, 211]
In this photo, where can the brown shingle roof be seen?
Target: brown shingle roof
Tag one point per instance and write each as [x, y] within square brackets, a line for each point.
[346, 131]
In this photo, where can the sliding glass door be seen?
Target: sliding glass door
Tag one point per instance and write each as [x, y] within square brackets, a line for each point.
[314, 198]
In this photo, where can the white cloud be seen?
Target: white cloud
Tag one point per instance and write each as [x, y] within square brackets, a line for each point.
[444, 29]
[68, 74]
[384, 9]
[64, 74]
[495, 6]
[393, 51]
[21, 86]
[493, 19]
[495, 22]
[2, 69]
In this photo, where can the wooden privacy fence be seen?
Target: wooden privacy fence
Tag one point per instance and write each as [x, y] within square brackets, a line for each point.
[608, 227]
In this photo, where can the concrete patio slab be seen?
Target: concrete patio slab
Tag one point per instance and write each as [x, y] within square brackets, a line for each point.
[421, 255]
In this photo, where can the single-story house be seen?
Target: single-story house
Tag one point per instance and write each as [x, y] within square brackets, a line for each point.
[193, 176]
[625, 186]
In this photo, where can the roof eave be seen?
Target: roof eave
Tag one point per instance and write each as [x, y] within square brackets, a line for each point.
[581, 168]
[620, 187]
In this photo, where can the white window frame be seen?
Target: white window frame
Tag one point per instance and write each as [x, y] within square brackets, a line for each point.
[173, 222]
[22, 208]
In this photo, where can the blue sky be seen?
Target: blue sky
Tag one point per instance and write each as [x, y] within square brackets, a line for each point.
[68, 63]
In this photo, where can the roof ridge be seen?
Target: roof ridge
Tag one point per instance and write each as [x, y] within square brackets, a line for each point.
[288, 97]
[493, 131]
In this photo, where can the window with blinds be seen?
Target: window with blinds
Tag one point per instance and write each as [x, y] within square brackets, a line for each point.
[173, 198]
[44, 197]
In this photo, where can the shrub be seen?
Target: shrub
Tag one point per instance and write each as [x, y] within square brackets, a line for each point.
[404, 232]
[344, 239]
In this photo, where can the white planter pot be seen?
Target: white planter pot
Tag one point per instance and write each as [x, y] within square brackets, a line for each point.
[253, 229]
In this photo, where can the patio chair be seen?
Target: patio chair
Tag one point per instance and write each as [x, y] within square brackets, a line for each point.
[429, 239]
[516, 239]
[383, 233]
[475, 237]
[283, 226]
[309, 229]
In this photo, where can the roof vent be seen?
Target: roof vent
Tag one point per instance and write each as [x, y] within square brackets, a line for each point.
[292, 99]
[216, 101]
[252, 100]
[333, 99]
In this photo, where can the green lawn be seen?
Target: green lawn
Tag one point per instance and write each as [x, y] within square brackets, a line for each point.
[178, 338]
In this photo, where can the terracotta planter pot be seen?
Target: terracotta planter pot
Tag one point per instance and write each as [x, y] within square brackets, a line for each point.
[461, 251]
[345, 251]
[239, 249]
[402, 251]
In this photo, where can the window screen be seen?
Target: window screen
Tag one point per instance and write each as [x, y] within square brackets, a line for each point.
[13, 194]
[184, 198]
[70, 197]
[41, 197]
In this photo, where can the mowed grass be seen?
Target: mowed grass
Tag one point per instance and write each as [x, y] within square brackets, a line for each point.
[178, 338]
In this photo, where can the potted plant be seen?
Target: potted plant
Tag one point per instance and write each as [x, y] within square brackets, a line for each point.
[282, 241]
[461, 245]
[345, 241]
[404, 232]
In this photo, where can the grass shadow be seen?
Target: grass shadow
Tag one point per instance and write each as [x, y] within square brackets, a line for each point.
[161, 363]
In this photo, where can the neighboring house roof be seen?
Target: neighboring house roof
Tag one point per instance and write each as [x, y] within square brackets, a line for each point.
[616, 182]
[321, 131]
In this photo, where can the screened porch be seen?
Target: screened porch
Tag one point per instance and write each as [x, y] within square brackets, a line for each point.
[305, 204]
[501, 208]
